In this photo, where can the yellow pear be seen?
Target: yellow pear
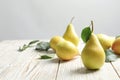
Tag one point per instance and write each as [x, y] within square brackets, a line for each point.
[54, 40]
[71, 35]
[105, 40]
[93, 55]
[66, 50]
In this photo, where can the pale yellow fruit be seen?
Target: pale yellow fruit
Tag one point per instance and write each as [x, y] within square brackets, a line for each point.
[105, 40]
[66, 50]
[116, 46]
[54, 40]
[71, 35]
[93, 55]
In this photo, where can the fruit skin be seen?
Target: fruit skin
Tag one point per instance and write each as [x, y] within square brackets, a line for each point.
[93, 55]
[105, 40]
[71, 35]
[116, 46]
[54, 40]
[66, 50]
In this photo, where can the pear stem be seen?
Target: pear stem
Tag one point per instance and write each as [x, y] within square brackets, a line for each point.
[72, 19]
[92, 25]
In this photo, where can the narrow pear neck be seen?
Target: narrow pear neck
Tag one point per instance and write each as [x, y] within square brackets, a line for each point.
[70, 27]
[93, 37]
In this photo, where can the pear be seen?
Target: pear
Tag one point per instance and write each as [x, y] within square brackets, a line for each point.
[71, 35]
[54, 40]
[93, 55]
[116, 46]
[66, 50]
[105, 40]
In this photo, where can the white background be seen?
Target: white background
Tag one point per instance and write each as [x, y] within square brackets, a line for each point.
[42, 19]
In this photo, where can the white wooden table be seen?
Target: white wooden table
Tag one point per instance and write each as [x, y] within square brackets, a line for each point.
[25, 65]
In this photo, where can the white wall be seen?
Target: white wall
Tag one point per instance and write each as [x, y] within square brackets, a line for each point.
[42, 19]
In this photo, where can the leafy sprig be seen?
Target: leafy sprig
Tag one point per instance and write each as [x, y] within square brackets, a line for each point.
[42, 46]
[25, 46]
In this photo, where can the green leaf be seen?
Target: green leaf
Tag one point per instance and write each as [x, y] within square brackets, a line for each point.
[86, 32]
[25, 46]
[45, 57]
[43, 46]
[33, 42]
[110, 56]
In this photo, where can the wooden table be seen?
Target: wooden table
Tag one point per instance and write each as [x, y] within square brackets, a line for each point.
[26, 65]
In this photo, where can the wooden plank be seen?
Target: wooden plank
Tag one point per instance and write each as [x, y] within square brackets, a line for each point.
[116, 66]
[74, 70]
[25, 65]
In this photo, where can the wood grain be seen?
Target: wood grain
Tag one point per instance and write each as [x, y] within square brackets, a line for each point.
[24, 65]
[74, 70]
[116, 66]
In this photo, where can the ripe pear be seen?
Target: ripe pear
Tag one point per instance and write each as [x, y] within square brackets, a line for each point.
[54, 40]
[71, 35]
[66, 50]
[105, 40]
[116, 46]
[93, 55]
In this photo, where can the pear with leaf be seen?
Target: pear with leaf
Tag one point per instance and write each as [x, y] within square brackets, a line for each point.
[93, 55]
[71, 35]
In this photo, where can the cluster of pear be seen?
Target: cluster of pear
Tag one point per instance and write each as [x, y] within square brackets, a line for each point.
[109, 42]
[93, 53]
[66, 45]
